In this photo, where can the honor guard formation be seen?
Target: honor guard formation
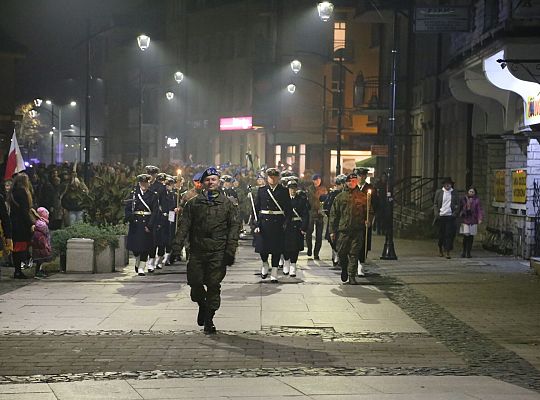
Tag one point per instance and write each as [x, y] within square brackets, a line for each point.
[207, 219]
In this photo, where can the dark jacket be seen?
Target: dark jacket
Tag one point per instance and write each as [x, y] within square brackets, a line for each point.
[437, 203]
[349, 212]
[212, 225]
[271, 220]
[19, 213]
[140, 239]
[5, 220]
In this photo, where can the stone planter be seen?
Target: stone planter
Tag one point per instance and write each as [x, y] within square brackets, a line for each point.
[121, 255]
[80, 255]
[535, 264]
[104, 261]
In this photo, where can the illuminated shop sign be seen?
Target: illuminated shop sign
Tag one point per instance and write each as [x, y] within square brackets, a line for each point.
[503, 79]
[235, 123]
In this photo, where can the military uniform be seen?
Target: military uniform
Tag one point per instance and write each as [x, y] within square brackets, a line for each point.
[295, 230]
[210, 219]
[141, 213]
[327, 206]
[316, 218]
[164, 225]
[186, 197]
[366, 188]
[348, 223]
[272, 219]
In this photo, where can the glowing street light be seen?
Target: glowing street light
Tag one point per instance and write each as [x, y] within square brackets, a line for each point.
[178, 77]
[143, 41]
[72, 103]
[48, 102]
[291, 88]
[296, 66]
[325, 10]
[169, 95]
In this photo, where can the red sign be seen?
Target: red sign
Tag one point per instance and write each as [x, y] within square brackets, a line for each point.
[235, 123]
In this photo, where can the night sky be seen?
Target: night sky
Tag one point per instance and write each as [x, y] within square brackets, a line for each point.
[50, 29]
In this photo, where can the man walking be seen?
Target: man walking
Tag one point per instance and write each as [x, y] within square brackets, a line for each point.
[347, 224]
[210, 219]
[316, 216]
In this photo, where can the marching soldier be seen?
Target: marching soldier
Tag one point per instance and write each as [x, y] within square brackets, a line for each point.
[327, 206]
[365, 187]
[296, 229]
[228, 189]
[273, 207]
[166, 223]
[210, 220]
[316, 216]
[158, 187]
[348, 221]
[141, 213]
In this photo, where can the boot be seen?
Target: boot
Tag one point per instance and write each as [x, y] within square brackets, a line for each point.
[273, 275]
[140, 269]
[344, 273]
[286, 267]
[465, 245]
[441, 253]
[151, 265]
[281, 261]
[448, 254]
[469, 246]
[292, 272]
[352, 280]
[264, 269]
[202, 313]
[159, 262]
[209, 327]
[137, 263]
[360, 271]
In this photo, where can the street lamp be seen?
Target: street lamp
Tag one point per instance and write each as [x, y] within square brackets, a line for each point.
[178, 77]
[325, 10]
[37, 102]
[169, 95]
[143, 41]
[296, 66]
[291, 88]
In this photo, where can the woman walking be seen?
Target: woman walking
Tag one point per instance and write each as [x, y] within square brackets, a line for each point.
[20, 204]
[472, 214]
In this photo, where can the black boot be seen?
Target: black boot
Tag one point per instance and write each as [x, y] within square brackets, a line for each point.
[352, 280]
[469, 246]
[202, 313]
[465, 246]
[344, 273]
[209, 327]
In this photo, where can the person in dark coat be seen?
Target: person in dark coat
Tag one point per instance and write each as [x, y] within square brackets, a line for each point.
[141, 212]
[273, 207]
[446, 210]
[50, 199]
[295, 231]
[327, 206]
[20, 206]
[157, 186]
[366, 188]
[211, 220]
[5, 225]
[166, 221]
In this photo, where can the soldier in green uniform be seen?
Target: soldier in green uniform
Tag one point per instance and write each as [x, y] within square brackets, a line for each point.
[210, 219]
[347, 224]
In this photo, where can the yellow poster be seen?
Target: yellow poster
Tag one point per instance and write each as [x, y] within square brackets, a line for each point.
[500, 187]
[519, 186]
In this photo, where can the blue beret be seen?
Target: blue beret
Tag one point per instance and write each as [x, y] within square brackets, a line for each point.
[315, 177]
[197, 177]
[209, 172]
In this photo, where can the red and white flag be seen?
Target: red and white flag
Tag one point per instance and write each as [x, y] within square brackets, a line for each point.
[15, 162]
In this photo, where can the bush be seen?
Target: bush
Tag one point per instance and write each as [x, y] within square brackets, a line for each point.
[104, 204]
[102, 237]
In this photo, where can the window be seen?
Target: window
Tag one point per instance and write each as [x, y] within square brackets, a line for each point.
[291, 155]
[339, 35]
[302, 166]
[278, 155]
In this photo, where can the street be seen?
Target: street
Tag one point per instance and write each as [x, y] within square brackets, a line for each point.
[419, 326]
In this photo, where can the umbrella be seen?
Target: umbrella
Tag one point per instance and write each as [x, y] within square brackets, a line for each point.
[370, 162]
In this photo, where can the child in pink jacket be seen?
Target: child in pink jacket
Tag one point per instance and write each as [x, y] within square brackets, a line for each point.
[41, 241]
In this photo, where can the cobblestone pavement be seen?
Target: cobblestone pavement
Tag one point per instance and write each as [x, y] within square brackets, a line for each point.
[471, 316]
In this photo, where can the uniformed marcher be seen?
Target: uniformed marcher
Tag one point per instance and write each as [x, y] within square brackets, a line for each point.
[165, 223]
[210, 219]
[296, 230]
[366, 187]
[158, 187]
[273, 207]
[316, 216]
[141, 212]
[327, 206]
[348, 221]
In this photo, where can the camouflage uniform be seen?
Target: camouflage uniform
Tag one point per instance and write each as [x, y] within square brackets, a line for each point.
[348, 223]
[213, 231]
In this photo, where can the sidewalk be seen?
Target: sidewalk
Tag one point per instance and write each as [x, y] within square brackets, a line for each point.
[475, 321]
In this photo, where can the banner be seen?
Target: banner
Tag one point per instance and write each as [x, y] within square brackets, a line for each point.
[500, 186]
[519, 186]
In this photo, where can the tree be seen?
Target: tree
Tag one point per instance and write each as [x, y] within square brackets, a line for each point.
[27, 126]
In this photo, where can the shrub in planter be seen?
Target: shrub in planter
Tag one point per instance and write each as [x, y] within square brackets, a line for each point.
[105, 201]
[102, 237]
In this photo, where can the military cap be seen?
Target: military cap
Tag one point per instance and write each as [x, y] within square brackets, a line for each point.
[286, 174]
[292, 183]
[143, 178]
[341, 179]
[361, 171]
[171, 179]
[161, 177]
[314, 177]
[209, 172]
[151, 169]
[197, 177]
[272, 172]
[352, 175]
[227, 178]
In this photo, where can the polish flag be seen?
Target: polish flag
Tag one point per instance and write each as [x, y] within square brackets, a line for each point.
[15, 162]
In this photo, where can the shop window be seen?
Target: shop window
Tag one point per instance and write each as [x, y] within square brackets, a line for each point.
[278, 155]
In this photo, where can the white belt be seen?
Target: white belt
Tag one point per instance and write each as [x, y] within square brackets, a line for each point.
[165, 214]
[297, 219]
[142, 213]
[272, 212]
